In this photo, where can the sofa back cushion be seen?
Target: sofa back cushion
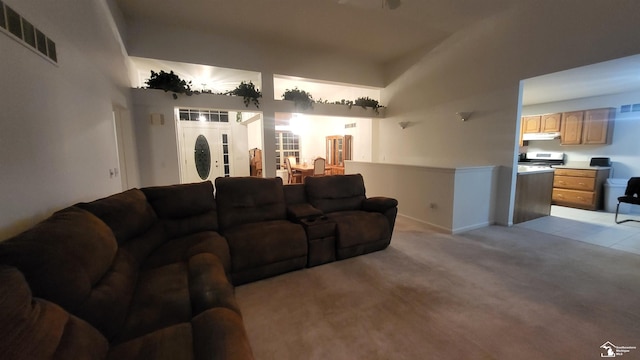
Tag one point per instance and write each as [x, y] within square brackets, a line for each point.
[72, 259]
[243, 200]
[128, 213]
[336, 193]
[32, 328]
[184, 208]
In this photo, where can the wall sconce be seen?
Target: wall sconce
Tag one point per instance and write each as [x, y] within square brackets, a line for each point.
[464, 115]
[404, 124]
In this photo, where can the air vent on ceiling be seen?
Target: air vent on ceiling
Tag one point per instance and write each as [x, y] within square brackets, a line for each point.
[20, 29]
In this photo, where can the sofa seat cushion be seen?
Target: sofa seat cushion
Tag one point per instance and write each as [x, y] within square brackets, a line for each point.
[360, 231]
[255, 246]
[214, 334]
[174, 293]
[32, 328]
[182, 248]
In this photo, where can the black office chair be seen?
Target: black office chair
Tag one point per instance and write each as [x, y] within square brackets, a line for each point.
[631, 196]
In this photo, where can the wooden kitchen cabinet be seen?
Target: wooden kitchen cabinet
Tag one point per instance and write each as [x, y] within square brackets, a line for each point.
[550, 122]
[539, 124]
[579, 188]
[531, 124]
[598, 126]
[571, 128]
[589, 127]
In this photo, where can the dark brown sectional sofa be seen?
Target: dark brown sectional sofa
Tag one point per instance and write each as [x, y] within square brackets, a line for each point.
[150, 273]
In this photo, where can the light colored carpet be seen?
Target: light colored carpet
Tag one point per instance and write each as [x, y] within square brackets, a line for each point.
[492, 293]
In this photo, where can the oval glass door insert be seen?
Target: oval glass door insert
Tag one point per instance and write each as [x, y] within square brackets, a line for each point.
[202, 155]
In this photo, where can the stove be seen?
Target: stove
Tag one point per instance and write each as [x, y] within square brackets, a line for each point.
[542, 158]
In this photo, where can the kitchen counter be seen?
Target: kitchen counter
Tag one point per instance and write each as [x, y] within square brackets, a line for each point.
[581, 166]
[527, 169]
[533, 193]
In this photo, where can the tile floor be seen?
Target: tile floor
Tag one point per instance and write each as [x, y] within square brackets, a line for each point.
[595, 227]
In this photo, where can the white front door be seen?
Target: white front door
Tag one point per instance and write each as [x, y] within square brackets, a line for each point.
[205, 151]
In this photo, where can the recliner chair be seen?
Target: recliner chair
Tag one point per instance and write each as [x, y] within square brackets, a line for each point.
[631, 196]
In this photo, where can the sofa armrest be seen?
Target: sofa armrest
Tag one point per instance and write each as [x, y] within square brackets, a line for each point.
[379, 204]
[295, 212]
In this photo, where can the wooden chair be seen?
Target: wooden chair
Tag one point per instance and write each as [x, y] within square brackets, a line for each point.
[294, 176]
[319, 166]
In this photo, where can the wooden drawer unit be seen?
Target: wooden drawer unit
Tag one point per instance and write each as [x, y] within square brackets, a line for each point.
[573, 197]
[576, 172]
[581, 188]
[572, 182]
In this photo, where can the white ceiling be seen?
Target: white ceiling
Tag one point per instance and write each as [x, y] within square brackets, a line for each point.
[362, 28]
[610, 77]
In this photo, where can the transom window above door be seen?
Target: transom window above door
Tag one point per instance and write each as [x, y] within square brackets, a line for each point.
[203, 115]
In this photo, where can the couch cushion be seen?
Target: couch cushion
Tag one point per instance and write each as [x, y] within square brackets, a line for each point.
[184, 208]
[72, 259]
[32, 328]
[64, 256]
[183, 248]
[169, 343]
[214, 334]
[243, 200]
[220, 334]
[257, 246]
[335, 193]
[161, 299]
[128, 213]
[174, 293]
[359, 227]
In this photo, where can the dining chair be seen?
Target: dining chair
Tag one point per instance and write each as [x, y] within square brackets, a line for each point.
[319, 166]
[294, 176]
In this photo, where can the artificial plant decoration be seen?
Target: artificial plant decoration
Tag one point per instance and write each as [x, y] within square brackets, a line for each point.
[248, 91]
[366, 102]
[301, 98]
[169, 82]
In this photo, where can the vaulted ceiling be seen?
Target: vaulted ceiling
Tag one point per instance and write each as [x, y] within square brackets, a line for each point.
[369, 29]
[362, 28]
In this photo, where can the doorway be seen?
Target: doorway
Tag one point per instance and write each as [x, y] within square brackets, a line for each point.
[127, 169]
[205, 151]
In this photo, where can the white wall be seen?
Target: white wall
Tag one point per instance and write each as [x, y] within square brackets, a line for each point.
[313, 131]
[479, 70]
[163, 42]
[157, 144]
[57, 140]
[624, 150]
[451, 199]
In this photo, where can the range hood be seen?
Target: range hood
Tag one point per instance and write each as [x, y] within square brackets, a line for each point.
[541, 136]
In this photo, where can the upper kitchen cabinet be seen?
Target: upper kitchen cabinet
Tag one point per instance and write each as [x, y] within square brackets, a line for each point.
[571, 128]
[550, 123]
[531, 124]
[589, 127]
[598, 126]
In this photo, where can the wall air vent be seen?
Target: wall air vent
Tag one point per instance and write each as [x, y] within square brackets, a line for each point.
[21, 30]
[350, 125]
